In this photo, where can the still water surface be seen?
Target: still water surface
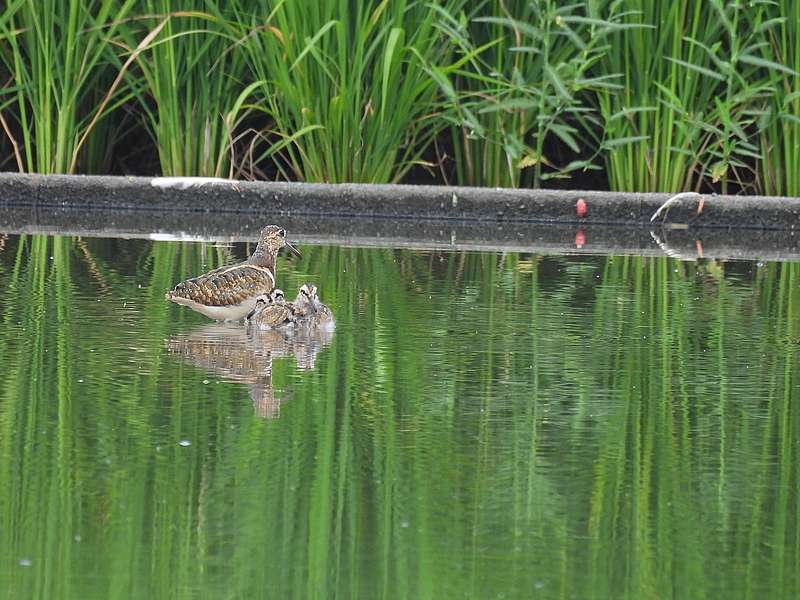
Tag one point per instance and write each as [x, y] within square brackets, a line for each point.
[478, 426]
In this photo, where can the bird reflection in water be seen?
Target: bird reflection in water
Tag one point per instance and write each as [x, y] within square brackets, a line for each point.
[244, 355]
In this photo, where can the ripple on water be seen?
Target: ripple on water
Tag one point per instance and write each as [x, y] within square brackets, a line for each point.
[477, 425]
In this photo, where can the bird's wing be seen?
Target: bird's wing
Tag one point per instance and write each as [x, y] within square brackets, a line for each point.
[227, 285]
[275, 315]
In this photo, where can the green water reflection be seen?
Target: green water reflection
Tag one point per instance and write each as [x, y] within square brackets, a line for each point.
[479, 426]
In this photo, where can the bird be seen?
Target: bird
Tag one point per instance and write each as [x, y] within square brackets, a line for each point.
[229, 293]
[314, 312]
[272, 311]
[303, 303]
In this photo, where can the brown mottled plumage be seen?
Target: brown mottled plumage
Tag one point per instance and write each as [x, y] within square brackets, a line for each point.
[303, 303]
[272, 311]
[229, 293]
[228, 285]
[319, 314]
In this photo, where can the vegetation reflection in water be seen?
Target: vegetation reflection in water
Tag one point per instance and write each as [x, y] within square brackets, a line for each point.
[478, 426]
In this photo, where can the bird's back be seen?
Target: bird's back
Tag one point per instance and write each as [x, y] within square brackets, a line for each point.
[226, 286]
[274, 315]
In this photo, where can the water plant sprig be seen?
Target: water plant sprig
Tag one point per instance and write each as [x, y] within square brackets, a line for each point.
[527, 91]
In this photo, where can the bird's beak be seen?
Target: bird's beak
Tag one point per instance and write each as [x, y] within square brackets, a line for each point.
[260, 304]
[293, 250]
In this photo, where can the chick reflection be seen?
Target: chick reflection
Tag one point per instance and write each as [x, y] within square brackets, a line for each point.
[244, 355]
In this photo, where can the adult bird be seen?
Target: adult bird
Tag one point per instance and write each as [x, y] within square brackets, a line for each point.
[229, 293]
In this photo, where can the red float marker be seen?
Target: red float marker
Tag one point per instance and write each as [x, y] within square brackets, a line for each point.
[581, 208]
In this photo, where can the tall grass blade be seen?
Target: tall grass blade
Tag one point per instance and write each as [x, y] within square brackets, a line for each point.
[57, 54]
[355, 78]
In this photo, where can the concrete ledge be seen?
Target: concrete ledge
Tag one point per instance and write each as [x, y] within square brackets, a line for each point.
[268, 201]
[542, 238]
[422, 217]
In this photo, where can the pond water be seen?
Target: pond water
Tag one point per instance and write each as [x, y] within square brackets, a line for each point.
[478, 426]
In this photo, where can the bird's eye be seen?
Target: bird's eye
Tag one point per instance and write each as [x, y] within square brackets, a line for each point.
[281, 232]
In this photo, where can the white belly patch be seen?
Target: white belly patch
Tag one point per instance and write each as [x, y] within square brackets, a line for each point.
[233, 312]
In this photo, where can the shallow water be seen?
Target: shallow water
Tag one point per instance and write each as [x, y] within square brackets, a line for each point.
[478, 426]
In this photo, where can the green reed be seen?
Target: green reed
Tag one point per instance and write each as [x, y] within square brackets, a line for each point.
[780, 138]
[524, 94]
[56, 56]
[191, 85]
[696, 85]
[668, 96]
[346, 86]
